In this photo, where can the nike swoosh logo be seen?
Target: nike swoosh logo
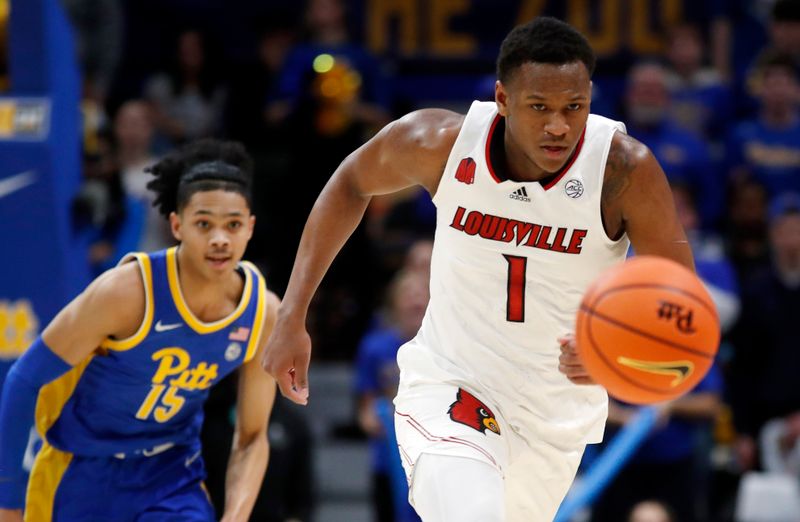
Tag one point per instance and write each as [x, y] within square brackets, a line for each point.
[681, 370]
[155, 450]
[16, 182]
[166, 327]
[191, 459]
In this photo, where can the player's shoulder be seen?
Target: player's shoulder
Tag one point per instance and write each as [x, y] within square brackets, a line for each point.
[122, 285]
[630, 163]
[626, 154]
[625, 145]
[271, 298]
[427, 129]
[273, 302]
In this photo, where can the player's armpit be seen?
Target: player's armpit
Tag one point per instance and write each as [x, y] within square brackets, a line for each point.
[637, 200]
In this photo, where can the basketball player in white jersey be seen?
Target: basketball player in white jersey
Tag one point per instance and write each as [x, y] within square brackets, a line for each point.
[535, 197]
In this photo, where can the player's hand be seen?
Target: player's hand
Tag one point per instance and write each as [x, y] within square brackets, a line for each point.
[569, 362]
[10, 515]
[287, 356]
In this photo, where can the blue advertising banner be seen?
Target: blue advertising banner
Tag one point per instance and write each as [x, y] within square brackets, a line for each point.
[41, 266]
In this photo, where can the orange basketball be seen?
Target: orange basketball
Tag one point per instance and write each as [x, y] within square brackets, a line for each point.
[647, 330]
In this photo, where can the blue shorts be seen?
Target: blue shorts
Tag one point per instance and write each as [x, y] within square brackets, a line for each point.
[167, 487]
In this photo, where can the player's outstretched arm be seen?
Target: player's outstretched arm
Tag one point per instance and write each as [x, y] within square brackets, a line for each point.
[113, 305]
[250, 451]
[637, 199]
[410, 151]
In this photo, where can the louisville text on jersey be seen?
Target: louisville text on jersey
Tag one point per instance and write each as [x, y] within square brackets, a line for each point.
[498, 228]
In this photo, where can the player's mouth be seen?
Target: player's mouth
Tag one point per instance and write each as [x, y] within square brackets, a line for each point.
[218, 261]
[555, 151]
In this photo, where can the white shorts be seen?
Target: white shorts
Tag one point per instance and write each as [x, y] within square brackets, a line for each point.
[449, 420]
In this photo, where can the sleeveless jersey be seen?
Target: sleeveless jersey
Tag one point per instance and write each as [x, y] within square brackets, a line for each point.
[511, 261]
[146, 392]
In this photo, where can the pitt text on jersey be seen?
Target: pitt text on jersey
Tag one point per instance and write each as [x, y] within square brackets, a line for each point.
[163, 401]
[497, 228]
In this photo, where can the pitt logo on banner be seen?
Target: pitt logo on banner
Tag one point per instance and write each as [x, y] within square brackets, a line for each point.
[18, 328]
[173, 374]
[24, 118]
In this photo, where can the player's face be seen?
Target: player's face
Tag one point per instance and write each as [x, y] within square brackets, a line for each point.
[214, 228]
[546, 107]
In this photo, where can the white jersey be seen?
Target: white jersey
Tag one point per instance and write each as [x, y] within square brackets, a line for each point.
[511, 261]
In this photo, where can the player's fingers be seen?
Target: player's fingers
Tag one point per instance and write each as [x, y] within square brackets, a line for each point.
[301, 377]
[570, 358]
[571, 370]
[583, 379]
[566, 339]
[569, 346]
[285, 384]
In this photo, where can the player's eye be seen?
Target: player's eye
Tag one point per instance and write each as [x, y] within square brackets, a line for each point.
[539, 107]
[574, 107]
[203, 224]
[234, 225]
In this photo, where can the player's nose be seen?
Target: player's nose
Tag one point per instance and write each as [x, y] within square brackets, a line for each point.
[219, 239]
[556, 124]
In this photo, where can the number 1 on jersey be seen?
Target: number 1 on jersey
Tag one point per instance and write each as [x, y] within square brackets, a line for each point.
[515, 303]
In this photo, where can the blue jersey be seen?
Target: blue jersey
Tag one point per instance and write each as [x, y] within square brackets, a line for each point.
[147, 391]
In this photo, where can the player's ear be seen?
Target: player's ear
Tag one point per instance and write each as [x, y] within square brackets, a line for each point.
[175, 225]
[251, 223]
[501, 98]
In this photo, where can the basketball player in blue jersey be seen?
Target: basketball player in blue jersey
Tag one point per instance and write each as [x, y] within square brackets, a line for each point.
[117, 381]
[535, 197]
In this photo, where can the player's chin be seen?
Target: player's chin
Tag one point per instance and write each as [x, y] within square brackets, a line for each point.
[550, 164]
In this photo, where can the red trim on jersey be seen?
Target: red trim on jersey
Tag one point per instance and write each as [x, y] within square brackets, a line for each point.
[555, 178]
[414, 423]
[488, 148]
[566, 167]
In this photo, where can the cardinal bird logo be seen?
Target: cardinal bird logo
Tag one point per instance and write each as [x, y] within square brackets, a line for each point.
[472, 412]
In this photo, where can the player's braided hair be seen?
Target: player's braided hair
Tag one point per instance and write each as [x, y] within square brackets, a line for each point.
[543, 40]
[201, 166]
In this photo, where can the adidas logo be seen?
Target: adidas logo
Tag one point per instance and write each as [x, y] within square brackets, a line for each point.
[521, 194]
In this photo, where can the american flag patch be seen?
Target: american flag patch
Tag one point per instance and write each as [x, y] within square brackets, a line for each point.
[240, 334]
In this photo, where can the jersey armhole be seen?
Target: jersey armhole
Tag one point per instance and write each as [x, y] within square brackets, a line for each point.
[261, 312]
[147, 278]
[466, 135]
[607, 240]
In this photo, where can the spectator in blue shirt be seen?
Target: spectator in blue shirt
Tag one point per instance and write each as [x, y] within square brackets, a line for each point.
[701, 100]
[377, 373]
[684, 158]
[767, 149]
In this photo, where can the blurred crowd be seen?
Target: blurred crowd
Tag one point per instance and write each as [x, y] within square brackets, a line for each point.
[718, 104]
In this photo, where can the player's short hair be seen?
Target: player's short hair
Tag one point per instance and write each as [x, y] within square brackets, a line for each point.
[201, 166]
[543, 40]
